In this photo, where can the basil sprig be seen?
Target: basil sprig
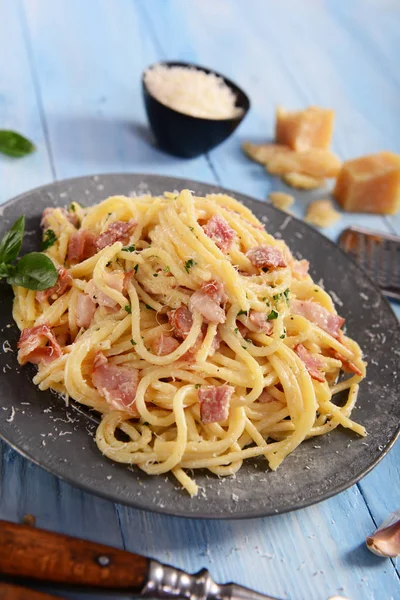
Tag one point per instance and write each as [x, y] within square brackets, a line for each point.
[14, 144]
[34, 271]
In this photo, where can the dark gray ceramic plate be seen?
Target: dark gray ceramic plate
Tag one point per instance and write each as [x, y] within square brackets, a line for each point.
[60, 439]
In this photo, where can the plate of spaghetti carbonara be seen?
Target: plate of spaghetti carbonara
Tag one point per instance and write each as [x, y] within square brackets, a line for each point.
[208, 362]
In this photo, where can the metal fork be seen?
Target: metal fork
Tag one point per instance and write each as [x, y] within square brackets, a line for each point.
[378, 254]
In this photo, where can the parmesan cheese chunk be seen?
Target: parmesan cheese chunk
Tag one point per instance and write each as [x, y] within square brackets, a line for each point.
[304, 129]
[192, 92]
[263, 153]
[302, 182]
[281, 200]
[322, 213]
[316, 163]
[370, 184]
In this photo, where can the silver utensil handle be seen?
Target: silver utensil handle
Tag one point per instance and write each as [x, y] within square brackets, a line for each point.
[167, 582]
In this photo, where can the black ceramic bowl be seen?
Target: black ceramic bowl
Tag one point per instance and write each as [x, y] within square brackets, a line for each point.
[187, 136]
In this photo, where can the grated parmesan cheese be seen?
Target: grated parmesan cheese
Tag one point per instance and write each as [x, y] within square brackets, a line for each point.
[192, 92]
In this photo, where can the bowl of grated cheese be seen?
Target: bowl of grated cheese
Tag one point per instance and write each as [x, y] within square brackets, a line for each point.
[191, 109]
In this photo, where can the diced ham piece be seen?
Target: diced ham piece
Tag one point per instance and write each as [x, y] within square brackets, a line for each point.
[215, 343]
[314, 312]
[242, 329]
[312, 363]
[85, 308]
[64, 281]
[258, 322]
[300, 267]
[118, 231]
[347, 365]
[115, 280]
[207, 302]
[164, 344]
[38, 344]
[81, 246]
[266, 257]
[214, 403]
[72, 218]
[117, 384]
[219, 231]
[265, 397]
[181, 320]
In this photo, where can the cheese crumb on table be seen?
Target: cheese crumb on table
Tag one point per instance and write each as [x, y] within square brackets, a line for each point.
[263, 153]
[281, 200]
[370, 184]
[304, 129]
[302, 182]
[322, 213]
[192, 91]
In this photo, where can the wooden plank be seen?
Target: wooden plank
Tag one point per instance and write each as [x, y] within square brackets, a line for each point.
[91, 88]
[20, 108]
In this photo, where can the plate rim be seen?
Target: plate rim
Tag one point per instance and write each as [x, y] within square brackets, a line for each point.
[184, 513]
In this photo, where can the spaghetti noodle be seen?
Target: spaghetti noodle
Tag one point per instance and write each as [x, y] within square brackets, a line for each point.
[194, 333]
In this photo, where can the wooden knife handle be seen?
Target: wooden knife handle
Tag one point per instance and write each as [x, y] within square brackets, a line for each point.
[51, 557]
[8, 591]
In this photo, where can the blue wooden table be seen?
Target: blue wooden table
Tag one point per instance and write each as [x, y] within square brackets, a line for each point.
[70, 80]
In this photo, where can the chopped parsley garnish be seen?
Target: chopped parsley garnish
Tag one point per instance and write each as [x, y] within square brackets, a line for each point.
[128, 309]
[197, 386]
[155, 274]
[72, 207]
[135, 268]
[283, 336]
[129, 248]
[149, 307]
[242, 312]
[244, 347]
[189, 264]
[49, 239]
[166, 269]
[133, 342]
[286, 294]
[273, 315]
[277, 297]
[191, 228]
[236, 329]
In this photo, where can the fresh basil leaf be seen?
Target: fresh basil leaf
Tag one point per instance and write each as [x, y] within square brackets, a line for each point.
[14, 144]
[11, 243]
[6, 270]
[34, 271]
[49, 239]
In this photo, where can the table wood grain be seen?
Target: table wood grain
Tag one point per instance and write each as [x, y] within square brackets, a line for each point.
[70, 80]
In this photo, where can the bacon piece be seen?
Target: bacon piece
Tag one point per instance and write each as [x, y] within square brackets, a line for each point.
[115, 280]
[312, 363]
[347, 365]
[181, 320]
[242, 328]
[265, 397]
[72, 218]
[215, 343]
[300, 267]
[118, 231]
[219, 231]
[266, 256]
[64, 281]
[319, 315]
[207, 302]
[258, 322]
[85, 309]
[117, 384]
[214, 403]
[164, 344]
[81, 246]
[38, 344]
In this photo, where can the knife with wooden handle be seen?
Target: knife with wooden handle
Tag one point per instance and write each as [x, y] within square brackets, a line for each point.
[42, 556]
[9, 591]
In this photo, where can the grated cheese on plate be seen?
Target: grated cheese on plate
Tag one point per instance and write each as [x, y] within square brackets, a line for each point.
[192, 92]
